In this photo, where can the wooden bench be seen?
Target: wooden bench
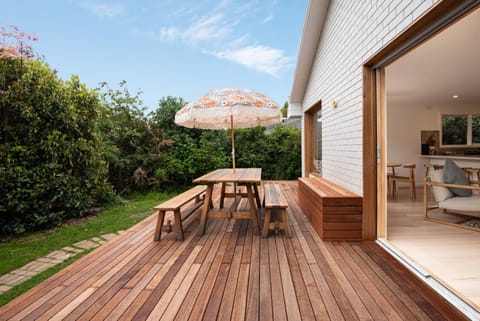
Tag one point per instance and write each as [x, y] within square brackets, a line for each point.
[334, 212]
[274, 201]
[175, 204]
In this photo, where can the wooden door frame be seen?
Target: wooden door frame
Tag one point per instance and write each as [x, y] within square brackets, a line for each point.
[309, 124]
[440, 16]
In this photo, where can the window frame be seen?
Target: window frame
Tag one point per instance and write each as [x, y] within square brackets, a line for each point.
[469, 129]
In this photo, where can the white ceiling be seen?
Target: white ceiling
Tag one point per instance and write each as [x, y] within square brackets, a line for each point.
[446, 65]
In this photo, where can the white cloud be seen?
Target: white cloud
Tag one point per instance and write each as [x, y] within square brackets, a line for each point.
[169, 34]
[207, 28]
[261, 58]
[267, 19]
[104, 10]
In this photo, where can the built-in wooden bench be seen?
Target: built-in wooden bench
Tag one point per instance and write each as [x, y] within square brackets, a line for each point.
[334, 212]
[274, 202]
[175, 204]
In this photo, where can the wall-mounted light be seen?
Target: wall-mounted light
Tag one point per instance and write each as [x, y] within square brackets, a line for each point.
[333, 104]
[455, 96]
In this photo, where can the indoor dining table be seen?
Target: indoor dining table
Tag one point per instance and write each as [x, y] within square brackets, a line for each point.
[248, 177]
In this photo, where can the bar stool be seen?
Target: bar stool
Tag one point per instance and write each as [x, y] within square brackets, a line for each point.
[410, 179]
[471, 173]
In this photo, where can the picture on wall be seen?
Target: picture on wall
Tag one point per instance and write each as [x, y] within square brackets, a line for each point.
[430, 140]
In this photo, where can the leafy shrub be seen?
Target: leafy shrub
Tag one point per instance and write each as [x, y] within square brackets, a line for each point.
[49, 165]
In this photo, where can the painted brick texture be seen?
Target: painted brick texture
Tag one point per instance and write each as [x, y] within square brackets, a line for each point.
[353, 31]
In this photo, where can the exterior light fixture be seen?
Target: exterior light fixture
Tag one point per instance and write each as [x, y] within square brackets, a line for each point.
[333, 104]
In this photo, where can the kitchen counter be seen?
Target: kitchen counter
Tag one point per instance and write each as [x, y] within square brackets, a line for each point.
[460, 160]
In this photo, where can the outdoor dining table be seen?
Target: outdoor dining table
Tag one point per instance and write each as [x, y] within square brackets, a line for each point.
[248, 177]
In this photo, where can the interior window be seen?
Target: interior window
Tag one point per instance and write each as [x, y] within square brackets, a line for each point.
[460, 129]
[454, 129]
[475, 129]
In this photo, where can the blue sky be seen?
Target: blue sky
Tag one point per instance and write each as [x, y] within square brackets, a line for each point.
[167, 48]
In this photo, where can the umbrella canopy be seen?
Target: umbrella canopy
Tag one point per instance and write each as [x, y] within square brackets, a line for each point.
[229, 109]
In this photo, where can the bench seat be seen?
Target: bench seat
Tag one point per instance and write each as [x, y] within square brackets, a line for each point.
[175, 204]
[334, 212]
[274, 201]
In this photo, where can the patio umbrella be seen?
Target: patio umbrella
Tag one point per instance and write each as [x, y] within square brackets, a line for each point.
[229, 109]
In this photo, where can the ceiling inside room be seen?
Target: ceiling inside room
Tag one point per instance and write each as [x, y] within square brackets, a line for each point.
[445, 65]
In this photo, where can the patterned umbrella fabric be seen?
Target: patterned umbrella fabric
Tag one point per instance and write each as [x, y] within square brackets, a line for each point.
[229, 109]
[249, 108]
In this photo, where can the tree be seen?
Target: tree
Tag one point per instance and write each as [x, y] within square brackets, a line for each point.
[49, 166]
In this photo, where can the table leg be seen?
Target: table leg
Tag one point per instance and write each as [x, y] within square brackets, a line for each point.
[257, 196]
[222, 194]
[206, 208]
[253, 208]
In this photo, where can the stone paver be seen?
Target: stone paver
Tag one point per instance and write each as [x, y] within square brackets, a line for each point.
[24, 272]
[60, 255]
[71, 249]
[86, 245]
[7, 281]
[37, 266]
[109, 236]
[13, 279]
[4, 288]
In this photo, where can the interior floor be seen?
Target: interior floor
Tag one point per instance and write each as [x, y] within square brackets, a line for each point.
[449, 254]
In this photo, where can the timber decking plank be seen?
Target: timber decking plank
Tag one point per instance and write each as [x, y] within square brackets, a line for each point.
[83, 286]
[278, 299]
[380, 295]
[180, 294]
[343, 302]
[313, 293]
[265, 311]
[304, 305]
[210, 264]
[230, 273]
[133, 308]
[252, 308]
[225, 311]
[210, 296]
[290, 295]
[415, 312]
[429, 300]
[240, 302]
[354, 284]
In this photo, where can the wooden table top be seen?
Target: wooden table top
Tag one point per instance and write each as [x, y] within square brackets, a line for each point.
[223, 175]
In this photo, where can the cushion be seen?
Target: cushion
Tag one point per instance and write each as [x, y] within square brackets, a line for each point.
[455, 175]
[467, 205]
[439, 192]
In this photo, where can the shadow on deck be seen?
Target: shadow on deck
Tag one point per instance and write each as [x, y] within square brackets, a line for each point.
[231, 274]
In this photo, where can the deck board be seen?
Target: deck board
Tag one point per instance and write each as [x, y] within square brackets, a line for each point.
[230, 273]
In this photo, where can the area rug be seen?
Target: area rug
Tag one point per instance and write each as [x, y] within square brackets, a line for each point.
[473, 222]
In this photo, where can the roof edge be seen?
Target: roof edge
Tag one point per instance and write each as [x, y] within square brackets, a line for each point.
[312, 29]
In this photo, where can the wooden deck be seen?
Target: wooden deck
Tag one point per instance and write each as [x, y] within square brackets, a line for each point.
[231, 274]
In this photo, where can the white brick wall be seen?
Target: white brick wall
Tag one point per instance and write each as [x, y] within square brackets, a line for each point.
[353, 31]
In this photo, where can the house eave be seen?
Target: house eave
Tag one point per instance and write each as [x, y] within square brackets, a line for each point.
[312, 29]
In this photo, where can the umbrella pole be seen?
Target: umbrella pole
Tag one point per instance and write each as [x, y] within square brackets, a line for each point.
[233, 143]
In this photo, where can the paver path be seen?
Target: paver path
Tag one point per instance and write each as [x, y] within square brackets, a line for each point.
[29, 270]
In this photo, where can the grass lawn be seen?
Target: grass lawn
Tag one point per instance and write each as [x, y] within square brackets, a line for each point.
[19, 251]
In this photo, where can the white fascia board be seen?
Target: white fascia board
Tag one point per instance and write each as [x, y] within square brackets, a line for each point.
[312, 29]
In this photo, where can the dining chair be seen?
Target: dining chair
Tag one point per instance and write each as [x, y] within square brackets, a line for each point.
[410, 179]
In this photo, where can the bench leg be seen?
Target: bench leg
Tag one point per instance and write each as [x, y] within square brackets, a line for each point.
[158, 228]
[266, 222]
[286, 224]
[178, 225]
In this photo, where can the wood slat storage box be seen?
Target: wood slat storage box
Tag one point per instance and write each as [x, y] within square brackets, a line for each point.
[334, 212]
